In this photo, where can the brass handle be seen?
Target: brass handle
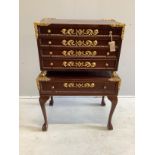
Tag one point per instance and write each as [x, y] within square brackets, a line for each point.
[105, 87]
[79, 85]
[50, 52]
[51, 63]
[49, 42]
[49, 31]
[107, 64]
[52, 87]
[108, 53]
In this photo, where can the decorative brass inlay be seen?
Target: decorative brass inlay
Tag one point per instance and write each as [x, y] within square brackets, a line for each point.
[36, 24]
[79, 64]
[119, 25]
[42, 77]
[79, 85]
[79, 53]
[115, 78]
[79, 43]
[79, 31]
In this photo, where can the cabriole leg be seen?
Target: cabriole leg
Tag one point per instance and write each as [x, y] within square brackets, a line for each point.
[103, 102]
[51, 101]
[42, 101]
[113, 100]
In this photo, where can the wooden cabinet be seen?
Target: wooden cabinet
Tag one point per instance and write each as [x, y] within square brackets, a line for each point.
[78, 57]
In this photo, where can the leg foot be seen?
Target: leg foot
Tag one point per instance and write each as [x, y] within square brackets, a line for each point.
[44, 127]
[113, 100]
[51, 101]
[103, 102]
[42, 101]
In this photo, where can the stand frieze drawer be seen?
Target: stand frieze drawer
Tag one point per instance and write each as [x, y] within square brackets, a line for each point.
[78, 84]
[80, 64]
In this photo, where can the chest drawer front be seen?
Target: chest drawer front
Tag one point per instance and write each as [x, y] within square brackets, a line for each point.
[74, 86]
[79, 29]
[79, 53]
[50, 64]
[77, 41]
[76, 52]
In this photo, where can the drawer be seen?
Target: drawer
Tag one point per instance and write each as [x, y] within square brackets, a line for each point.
[78, 85]
[77, 52]
[80, 64]
[74, 86]
[77, 41]
[79, 29]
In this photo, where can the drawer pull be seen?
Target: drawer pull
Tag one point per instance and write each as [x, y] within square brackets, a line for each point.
[108, 53]
[52, 87]
[79, 53]
[51, 63]
[106, 64]
[49, 42]
[105, 87]
[79, 31]
[50, 52]
[79, 43]
[79, 64]
[79, 85]
[49, 31]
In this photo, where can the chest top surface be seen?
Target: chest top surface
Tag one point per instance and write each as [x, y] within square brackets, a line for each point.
[49, 21]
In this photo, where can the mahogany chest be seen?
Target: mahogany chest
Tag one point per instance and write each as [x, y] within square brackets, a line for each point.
[78, 57]
[78, 44]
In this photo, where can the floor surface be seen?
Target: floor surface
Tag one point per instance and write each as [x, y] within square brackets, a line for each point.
[77, 126]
